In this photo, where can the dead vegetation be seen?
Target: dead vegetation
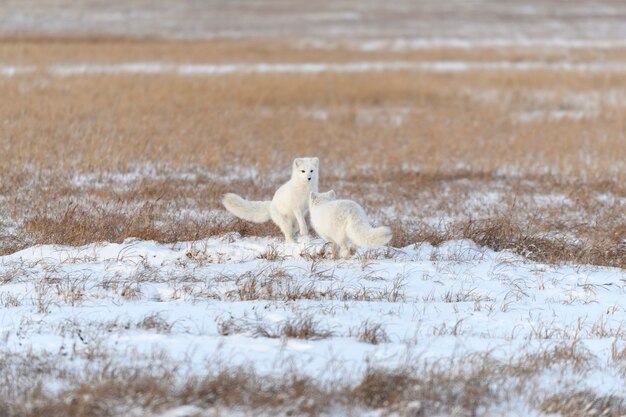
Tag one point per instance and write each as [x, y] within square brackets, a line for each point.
[475, 384]
[373, 333]
[584, 404]
[435, 156]
[530, 162]
[299, 327]
[584, 224]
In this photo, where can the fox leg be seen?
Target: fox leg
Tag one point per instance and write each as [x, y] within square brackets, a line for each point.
[301, 223]
[287, 229]
[333, 246]
[345, 250]
[284, 223]
[352, 248]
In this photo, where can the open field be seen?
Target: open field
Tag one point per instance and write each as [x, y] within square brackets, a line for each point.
[532, 158]
[494, 147]
[251, 325]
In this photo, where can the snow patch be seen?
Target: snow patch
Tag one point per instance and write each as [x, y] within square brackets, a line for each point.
[147, 68]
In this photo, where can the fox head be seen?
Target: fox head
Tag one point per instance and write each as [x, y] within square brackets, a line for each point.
[321, 198]
[306, 170]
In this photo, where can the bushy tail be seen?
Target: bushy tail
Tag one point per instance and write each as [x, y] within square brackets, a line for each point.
[363, 234]
[253, 211]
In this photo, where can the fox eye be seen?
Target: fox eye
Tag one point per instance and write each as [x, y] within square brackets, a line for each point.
[311, 170]
[302, 171]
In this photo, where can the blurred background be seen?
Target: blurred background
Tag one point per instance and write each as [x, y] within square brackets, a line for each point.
[478, 20]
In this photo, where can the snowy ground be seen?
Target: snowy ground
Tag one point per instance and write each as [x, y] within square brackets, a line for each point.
[311, 67]
[530, 22]
[74, 316]
[231, 299]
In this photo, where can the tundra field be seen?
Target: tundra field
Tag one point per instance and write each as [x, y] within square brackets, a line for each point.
[499, 163]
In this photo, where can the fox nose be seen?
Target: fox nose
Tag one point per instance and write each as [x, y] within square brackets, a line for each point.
[309, 178]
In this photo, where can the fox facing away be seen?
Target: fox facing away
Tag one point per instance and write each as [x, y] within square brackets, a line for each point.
[340, 221]
[289, 204]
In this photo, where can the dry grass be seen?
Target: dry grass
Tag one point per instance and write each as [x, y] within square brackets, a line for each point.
[107, 157]
[299, 327]
[155, 323]
[115, 121]
[304, 328]
[46, 50]
[584, 404]
[531, 162]
[474, 385]
[373, 333]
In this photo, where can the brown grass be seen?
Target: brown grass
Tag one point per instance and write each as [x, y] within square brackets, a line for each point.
[50, 49]
[373, 333]
[300, 327]
[216, 122]
[304, 328]
[471, 385]
[584, 404]
[432, 147]
[480, 155]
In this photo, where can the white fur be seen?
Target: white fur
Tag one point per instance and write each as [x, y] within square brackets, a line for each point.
[289, 204]
[340, 221]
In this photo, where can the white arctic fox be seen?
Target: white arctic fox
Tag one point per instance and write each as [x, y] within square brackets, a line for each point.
[289, 204]
[338, 221]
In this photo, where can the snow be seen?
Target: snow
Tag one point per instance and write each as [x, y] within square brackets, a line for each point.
[554, 115]
[457, 20]
[11, 70]
[193, 301]
[64, 70]
[409, 44]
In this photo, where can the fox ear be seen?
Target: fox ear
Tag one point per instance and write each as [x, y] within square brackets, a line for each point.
[316, 161]
[332, 193]
[297, 162]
